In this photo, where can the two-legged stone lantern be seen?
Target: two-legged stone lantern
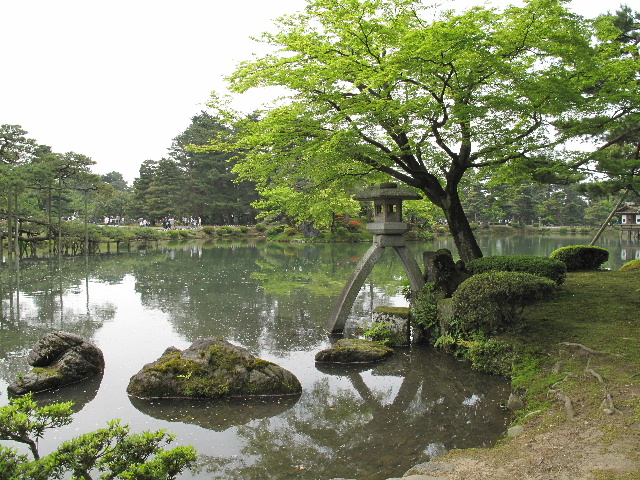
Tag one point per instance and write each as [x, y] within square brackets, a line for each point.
[387, 228]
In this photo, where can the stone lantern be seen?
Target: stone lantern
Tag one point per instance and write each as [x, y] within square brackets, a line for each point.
[387, 204]
[387, 228]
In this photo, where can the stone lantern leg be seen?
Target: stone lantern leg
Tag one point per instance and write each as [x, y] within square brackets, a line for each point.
[387, 228]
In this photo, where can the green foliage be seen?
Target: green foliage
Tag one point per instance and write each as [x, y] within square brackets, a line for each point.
[632, 265]
[261, 227]
[183, 233]
[368, 79]
[446, 342]
[209, 230]
[419, 233]
[10, 463]
[491, 356]
[194, 180]
[380, 332]
[290, 231]
[22, 420]
[114, 451]
[342, 233]
[173, 234]
[424, 309]
[581, 257]
[494, 301]
[275, 230]
[550, 268]
[145, 233]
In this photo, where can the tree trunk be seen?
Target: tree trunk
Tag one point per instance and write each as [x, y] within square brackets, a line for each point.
[465, 240]
[9, 221]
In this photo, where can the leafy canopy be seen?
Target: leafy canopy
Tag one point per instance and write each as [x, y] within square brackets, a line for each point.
[376, 85]
[384, 88]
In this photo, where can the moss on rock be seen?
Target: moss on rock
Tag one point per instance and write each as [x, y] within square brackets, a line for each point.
[211, 368]
[350, 350]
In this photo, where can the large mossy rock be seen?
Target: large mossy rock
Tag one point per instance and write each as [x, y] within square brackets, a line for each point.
[59, 359]
[350, 350]
[211, 368]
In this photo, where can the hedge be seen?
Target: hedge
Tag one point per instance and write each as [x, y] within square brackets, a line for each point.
[550, 268]
[581, 257]
[494, 301]
[632, 265]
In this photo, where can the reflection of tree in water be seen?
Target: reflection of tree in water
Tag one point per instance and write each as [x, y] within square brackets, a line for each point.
[263, 296]
[362, 431]
[40, 295]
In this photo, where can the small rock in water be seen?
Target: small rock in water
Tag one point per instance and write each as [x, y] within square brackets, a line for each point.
[350, 350]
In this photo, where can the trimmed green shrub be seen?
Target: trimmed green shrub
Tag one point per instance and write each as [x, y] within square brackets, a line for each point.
[225, 230]
[209, 230]
[342, 232]
[146, 233]
[275, 230]
[581, 257]
[550, 268]
[261, 227]
[290, 231]
[494, 301]
[491, 356]
[632, 265]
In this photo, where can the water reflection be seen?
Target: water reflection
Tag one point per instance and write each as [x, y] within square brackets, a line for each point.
[81, 393]
[384, 419]
[217, 414]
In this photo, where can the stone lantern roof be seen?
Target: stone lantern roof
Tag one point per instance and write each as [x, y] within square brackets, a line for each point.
[387, 201]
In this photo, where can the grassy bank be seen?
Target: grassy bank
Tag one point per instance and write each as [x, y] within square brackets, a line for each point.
[579, 378]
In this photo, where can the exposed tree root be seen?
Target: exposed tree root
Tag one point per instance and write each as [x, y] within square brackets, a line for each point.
[595, 374]
[558, 367]
[608, 406]
[588, 350]
[567, 375]
[607, 403]
[568, 403]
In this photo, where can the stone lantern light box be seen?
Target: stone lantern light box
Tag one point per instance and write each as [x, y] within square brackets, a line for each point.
[387, 203]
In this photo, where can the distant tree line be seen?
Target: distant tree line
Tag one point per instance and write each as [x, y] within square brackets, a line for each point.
[194, 183]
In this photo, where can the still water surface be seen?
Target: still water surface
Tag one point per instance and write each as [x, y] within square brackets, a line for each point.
[366, 422]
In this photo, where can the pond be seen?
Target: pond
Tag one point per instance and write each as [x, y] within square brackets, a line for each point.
[369, 422]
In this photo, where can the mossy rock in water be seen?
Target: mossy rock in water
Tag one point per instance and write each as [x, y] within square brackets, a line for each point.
[211, 368]
[350, 350]
[58, 359]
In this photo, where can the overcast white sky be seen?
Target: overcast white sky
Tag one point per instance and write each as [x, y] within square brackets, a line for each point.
[118, 80]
